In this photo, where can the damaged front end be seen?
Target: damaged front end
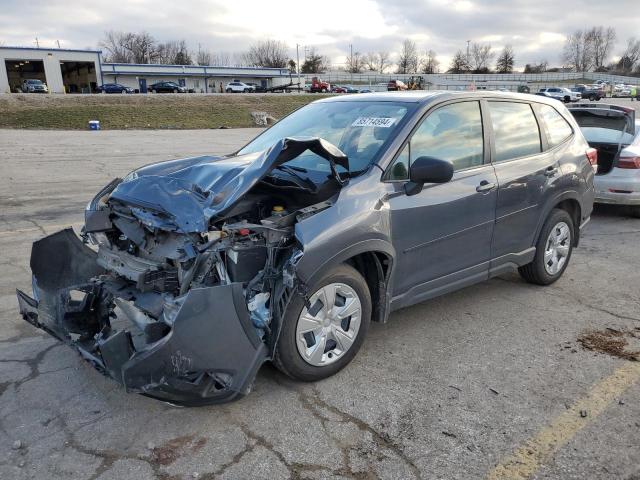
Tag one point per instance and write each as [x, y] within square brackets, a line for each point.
[173, 302]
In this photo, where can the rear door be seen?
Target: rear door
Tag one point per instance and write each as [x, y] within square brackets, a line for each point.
[443, 234]
[526, 175]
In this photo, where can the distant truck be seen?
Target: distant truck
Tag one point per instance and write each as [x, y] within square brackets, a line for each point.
[319, 86]
[589, 93]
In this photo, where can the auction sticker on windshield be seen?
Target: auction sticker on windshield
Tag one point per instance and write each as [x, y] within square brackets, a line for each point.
[383, 122]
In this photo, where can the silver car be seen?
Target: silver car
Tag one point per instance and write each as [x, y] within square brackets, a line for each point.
[615, 133]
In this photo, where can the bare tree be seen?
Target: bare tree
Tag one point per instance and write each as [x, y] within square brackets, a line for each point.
[370, 61]
[603, 40]
[481, 56]
[115, 45]
[221, 59]
[142, 46]
[430, 63]
[173, 52]
[459, 63]
[578, 51]
[384, 61]
[506, 60]
[630, 56]
[408, 62]
[203, 57]
[540, 67]
[268, 53]
[355, 62]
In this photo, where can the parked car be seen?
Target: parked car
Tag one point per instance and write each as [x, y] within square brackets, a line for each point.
[396, 85]
[238, 87]
[114, 88]
[563, 94]
[338, 89]
[319, 86]
[33, 85]
[350, 89]
[167, 87]
[614, 131]
[201, 269]
[257, 88]
[589, 93]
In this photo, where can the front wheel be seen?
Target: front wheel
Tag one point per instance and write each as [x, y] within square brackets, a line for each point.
[321, 338]
[553, 250]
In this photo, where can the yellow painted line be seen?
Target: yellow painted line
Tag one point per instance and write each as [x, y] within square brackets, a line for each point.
[526, 460]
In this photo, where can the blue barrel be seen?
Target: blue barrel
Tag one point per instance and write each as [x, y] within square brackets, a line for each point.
[94, 124]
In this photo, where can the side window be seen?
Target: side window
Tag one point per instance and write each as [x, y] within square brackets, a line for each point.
[515, 130]
[558, 129]
[452, 133]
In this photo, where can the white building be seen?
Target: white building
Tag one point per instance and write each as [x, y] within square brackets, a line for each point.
[81, 71]
[61, 69]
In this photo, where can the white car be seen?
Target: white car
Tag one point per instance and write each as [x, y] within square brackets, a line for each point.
[239, 87]
[615, 133]
[559, 93]
[33, 85]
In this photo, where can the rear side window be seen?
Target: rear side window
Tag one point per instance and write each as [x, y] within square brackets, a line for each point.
[558, 129]
[515, 130]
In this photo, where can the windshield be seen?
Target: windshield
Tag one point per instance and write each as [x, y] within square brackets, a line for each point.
[34, 82]
[359, 129]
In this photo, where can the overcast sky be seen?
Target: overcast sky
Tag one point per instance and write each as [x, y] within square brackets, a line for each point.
[536, 29]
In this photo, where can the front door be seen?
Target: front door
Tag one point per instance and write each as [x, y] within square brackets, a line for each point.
[142, 82]
[442, 235]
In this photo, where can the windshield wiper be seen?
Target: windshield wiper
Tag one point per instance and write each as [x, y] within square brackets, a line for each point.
[304, 182]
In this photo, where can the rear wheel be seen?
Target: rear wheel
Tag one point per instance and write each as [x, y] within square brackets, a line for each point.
[123, 92]
[318, 341]
[154, 91]
[553, 250]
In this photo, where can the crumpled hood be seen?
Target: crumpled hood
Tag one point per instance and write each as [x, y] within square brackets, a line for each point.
[183, 195]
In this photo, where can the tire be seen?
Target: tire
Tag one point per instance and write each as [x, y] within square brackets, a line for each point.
[324, 90]
[292, 342]
[175, 90]
[154, 91]
[592, 98]
[229, 90]
[567, 99]
[123, 92]
[539, 271]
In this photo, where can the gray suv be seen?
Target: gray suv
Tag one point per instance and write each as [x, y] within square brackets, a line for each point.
[190, 274]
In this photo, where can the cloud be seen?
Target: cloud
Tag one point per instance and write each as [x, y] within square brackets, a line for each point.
[533, 28]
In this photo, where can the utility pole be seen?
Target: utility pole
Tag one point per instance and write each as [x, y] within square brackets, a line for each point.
[37, 43]
[58, 42]
[298, 64]
[468, 58]
[351, 62]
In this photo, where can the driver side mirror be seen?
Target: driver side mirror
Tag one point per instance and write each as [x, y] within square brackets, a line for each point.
[427, 170]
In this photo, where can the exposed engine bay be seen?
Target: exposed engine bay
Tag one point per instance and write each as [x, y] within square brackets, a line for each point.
[187, 315]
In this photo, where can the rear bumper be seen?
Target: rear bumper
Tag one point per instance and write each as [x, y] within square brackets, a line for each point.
[209, 353]
[619, 187]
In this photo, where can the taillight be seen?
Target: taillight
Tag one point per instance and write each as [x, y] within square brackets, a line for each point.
[629, 162]
[592, 156]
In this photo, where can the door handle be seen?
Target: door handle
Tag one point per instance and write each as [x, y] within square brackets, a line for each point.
[485, 186]
[551, 171]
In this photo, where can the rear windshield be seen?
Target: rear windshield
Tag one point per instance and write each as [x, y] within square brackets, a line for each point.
[604, 129]
[359, 129]
[34, 82]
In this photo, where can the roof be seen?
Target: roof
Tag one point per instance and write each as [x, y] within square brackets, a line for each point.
[424, 96]
[42, 49]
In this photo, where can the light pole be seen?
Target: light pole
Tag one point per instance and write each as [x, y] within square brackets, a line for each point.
[298, 64]
[468, 60]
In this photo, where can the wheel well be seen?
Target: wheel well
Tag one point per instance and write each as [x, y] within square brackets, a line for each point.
[572, 207]
[375, 267]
